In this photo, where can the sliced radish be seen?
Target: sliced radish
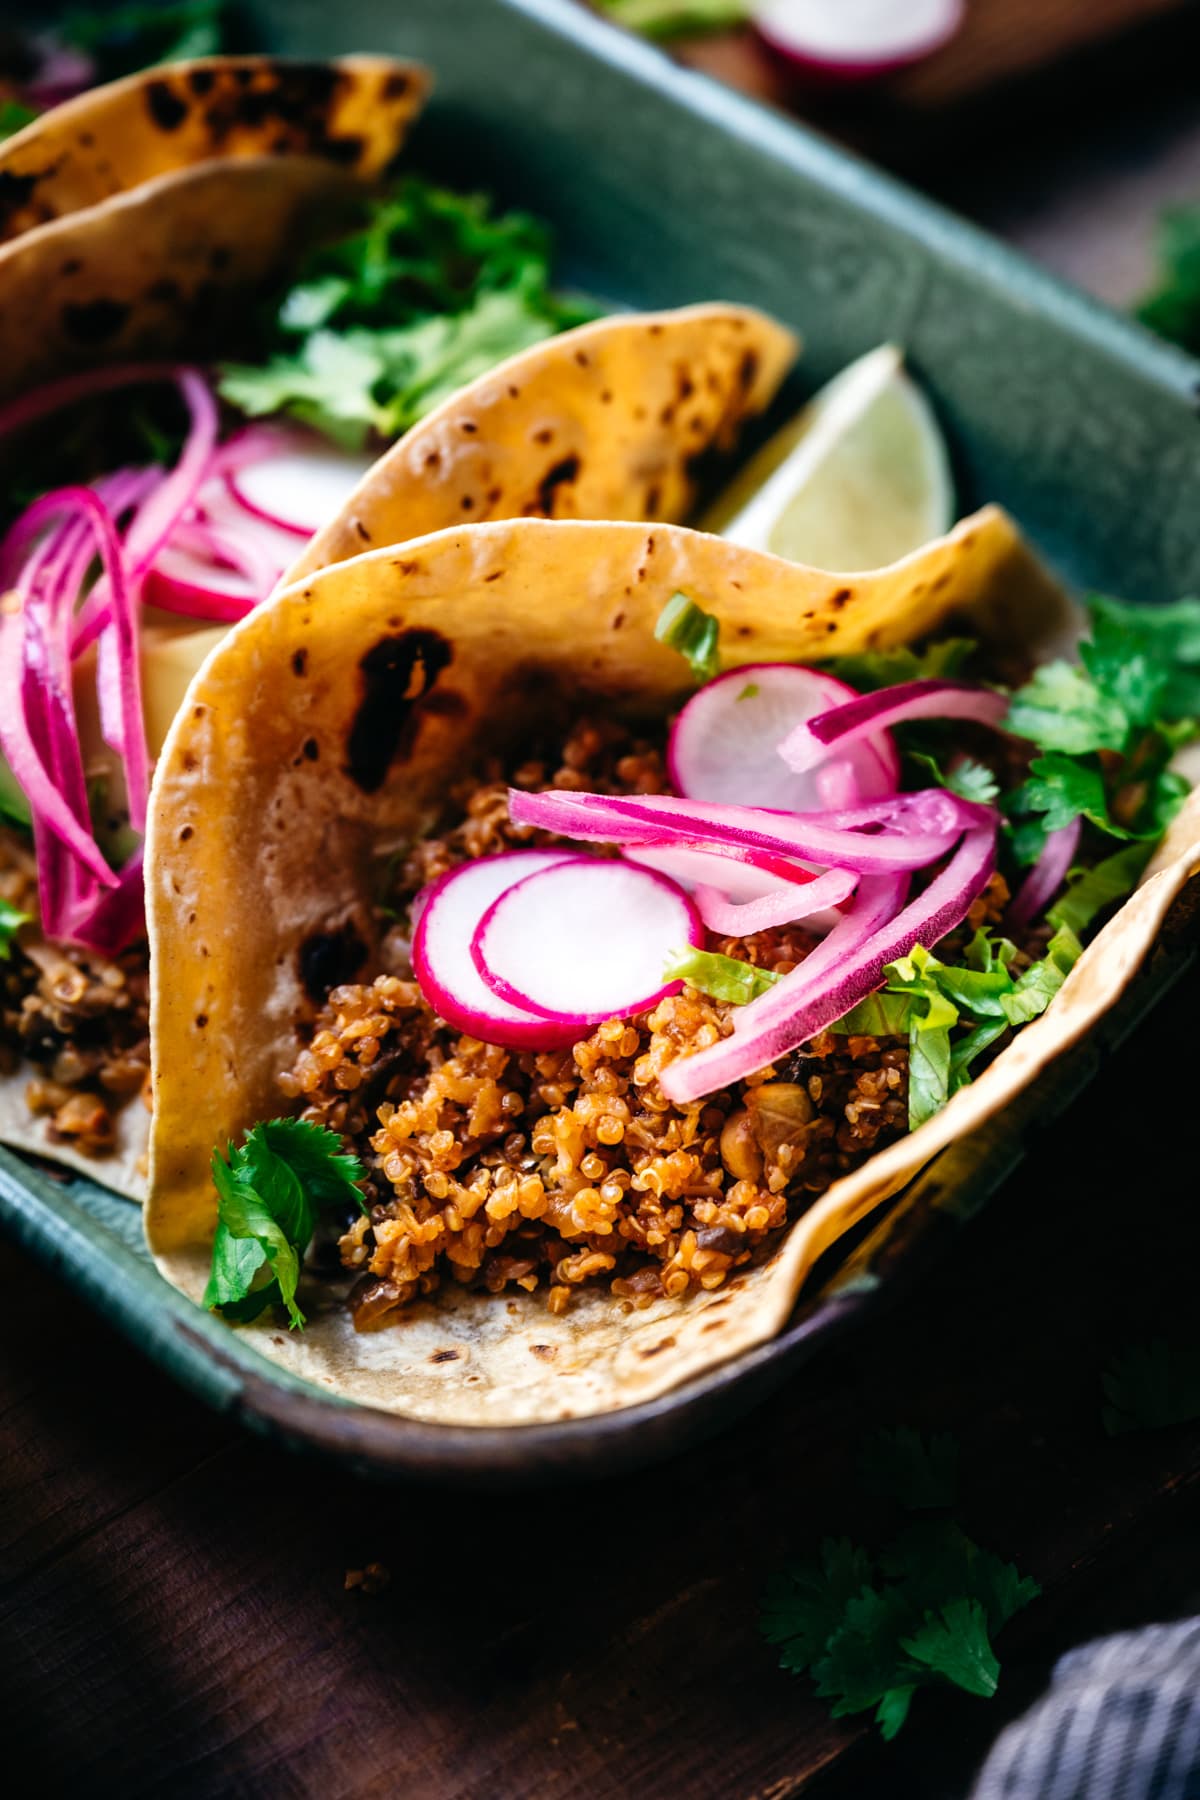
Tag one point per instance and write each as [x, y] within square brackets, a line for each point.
[584, 941]
[856, 40]
[724, 745]
[450, 911]
[298, 488]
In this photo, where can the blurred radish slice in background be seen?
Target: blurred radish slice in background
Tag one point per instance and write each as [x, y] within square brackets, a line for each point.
[856, 40]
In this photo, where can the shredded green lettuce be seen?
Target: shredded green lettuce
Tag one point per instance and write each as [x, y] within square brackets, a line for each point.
[11, 921]
[724, 978]
[1089, 891]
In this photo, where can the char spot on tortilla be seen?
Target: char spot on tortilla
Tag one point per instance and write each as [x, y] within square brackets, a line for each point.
[201, 1021]
[667, 1343]
[747, 370]
[362, 531]
[200, 81]
[838, 600]
[299, 662]
[186, 832]
[71, 266]
[618, 621]
[560, 474]
[15, 192]
[467, 502]
[513, 392]
[582, 358]
[311, 749]
[443, 1356]
[329, 958]
[469, 426]
[433, 459]
[164, 106]
[653, 500]
[344, 150]
[495, 575]
[395, 85]
[543, 436]
[94, 321]
[546, 1352]
[397, 673]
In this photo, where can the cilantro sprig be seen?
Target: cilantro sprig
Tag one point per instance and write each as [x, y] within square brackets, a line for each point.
[1151, 1385]
[1108, 727]
[271, 1191]
[873, 1628]
[433, 289]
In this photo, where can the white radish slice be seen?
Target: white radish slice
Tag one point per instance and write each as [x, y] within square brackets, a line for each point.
[845, 40]
[450, 910]
[585, 941]
[724, 746]
[298, 489]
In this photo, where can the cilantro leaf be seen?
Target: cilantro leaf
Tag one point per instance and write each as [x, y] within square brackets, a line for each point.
[954, 1643]
[14, 116]
[1089, 891]
[11, 921]
[270, 1193]
[686, 627]
[429, 291]
[969, 779]
[724, 978]
[1059, 708]
[872, 669]
[1061, 789]
[863, 1662]
[804, 1604]
[1170, 635]
[918, 1472]
[1151, 1385]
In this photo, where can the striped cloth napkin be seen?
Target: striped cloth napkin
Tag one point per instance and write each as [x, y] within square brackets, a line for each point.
[1121, 1721]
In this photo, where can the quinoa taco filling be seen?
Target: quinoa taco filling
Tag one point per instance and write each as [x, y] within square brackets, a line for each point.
[598, 1157]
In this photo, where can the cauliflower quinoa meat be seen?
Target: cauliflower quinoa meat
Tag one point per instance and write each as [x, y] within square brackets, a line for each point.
[81, 1020]
[497, 1168]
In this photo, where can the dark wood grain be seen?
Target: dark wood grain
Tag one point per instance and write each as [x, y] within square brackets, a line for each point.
[174, 1611]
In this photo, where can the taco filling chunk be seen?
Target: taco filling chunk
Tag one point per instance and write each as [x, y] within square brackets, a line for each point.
[642, 938]
[153, 504]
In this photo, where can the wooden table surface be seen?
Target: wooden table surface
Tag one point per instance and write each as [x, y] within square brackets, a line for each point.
[175, 1614]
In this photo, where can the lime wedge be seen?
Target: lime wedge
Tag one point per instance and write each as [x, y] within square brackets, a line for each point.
[858, 480]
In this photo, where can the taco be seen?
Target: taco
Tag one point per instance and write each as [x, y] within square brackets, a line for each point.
[124, 235]
[143, 529]
[525, 1029]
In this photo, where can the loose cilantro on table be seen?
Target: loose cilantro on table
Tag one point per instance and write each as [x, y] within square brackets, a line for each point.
[271, 1191]
[686, 627]
[919, 1472]
[873, 1628]
[1151, 1385]
[432, 290]
[11, 921]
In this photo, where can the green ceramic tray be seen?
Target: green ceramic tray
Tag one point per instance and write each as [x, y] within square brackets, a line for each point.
[664, 188]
